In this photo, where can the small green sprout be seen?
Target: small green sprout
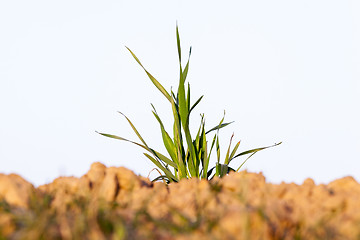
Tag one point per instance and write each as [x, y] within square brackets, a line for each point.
[188, 157]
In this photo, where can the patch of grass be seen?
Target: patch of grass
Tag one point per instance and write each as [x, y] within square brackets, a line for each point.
[188, 156]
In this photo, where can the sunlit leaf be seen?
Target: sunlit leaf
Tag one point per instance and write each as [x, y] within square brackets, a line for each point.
[219, 127]
[158, 164]
[155, 82]
[254, 150]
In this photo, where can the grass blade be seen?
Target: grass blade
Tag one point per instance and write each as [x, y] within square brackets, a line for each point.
[222, 169]
[254, 150]
[205, 162]
[196, 103]
[228, 151]
[212, 145]
[178, 141]
[162, 177]
[155, 153]
[134, 129]
[163, 158]
[188, 100]
[154, 81]
[192, 154]
[219, 127]
[178, 43]
[183, 110]
[245, 161]
[218, 149]
[123, 139]
[186, 69]
[168, 143]
[166, 171]
[234, 151]
[209, 173]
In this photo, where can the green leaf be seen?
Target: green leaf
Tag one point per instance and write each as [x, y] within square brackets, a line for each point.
[222, 169]
[163, 158]
[162, 177]
[192, 154]
[134, 129]
[166, 171]
[212, 145]
[188, 100]
[219, 127]
[186, 67]
[196, 103]
[209, 172]
[197, 143]
[168, 143]
[178, 141]
[178, 43]
[218, 149]
[205, 161]
[228, 151]
[155, 153]
[205, 158]
[184, 104]
[154, 81]
[183, 110]
[254, 150]
[216, 137]
[123, 139]
[245, 161]
[234, 151]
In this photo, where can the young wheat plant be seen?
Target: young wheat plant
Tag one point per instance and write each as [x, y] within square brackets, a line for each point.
[188, 157]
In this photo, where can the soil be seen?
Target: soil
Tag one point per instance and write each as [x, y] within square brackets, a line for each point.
[115, 203]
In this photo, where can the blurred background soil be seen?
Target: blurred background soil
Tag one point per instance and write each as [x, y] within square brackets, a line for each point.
[114, 203]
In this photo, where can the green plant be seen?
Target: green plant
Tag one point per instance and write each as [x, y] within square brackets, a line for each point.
[192, 159]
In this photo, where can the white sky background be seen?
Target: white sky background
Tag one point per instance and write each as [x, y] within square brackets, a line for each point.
[283, 71]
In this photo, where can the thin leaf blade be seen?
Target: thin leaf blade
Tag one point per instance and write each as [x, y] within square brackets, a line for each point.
[154, 81]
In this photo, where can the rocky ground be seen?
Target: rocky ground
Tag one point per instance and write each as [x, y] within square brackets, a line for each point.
[114, 203]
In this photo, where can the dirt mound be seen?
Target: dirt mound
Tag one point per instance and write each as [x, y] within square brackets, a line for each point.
[114, 203]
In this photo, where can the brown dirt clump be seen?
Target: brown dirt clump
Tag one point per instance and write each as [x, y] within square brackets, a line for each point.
[114, 203]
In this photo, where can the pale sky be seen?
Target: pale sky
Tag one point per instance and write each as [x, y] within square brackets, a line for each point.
[282, 70]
